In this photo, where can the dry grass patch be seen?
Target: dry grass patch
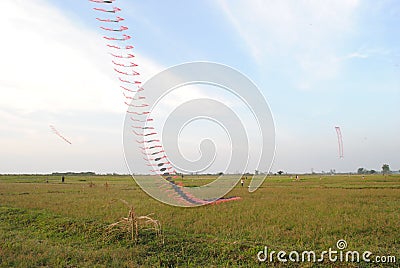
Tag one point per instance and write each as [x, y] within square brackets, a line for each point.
[133, 223]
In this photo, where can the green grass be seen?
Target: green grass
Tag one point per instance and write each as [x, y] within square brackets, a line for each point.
[63, 225]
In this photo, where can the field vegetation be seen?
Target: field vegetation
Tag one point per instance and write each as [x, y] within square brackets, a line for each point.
[44, 222]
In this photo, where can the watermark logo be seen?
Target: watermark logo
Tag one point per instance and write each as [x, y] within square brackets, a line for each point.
[331, 255]
[147, 144]
[341, 244]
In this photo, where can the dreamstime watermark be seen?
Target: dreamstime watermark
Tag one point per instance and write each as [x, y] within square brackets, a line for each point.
[338, 254]
[159, 148]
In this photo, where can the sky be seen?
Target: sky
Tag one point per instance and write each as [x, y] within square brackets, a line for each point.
[319, 64]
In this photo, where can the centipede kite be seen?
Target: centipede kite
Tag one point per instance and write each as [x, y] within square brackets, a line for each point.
[340, 141]
[55, 131]
[117, 39]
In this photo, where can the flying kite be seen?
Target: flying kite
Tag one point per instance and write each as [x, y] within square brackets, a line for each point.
[340, 141]
[124, 37]
[102, 1]
[113, 10]
[55, 131]
[131, 64]
[120, 29]
[127, 56]
[123, 59]
[117, 19]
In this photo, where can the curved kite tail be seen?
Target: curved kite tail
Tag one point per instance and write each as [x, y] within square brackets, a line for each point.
[124, 65]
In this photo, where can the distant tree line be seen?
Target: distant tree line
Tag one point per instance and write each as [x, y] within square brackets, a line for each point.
[362, 171]
[385, 170]
[87, 173]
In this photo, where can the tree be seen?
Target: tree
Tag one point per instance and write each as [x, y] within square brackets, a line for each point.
[385, 169]
[360, 170]
[372, 171]
[280, 172]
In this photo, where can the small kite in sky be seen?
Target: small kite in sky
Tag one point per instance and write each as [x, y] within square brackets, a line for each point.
[114, 10]
[120, 29]
[117, 19]
[340, 141]
[55, 131]
[127, 56]
[102, 1]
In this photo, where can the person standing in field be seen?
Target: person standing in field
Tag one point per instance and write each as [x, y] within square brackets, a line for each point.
[62, 179]
[242, 182]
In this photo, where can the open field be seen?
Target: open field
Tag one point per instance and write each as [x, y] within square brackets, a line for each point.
[63, 224]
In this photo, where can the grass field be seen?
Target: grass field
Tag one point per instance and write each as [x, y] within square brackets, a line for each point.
[63, 224]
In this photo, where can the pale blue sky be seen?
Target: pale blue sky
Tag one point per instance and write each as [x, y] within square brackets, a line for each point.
[320, 64]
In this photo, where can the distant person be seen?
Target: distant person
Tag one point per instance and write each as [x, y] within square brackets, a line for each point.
[242, 182]
[62, 179]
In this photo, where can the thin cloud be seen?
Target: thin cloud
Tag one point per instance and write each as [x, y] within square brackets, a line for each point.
[371, 52]
[306, 35]
[357, 55]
